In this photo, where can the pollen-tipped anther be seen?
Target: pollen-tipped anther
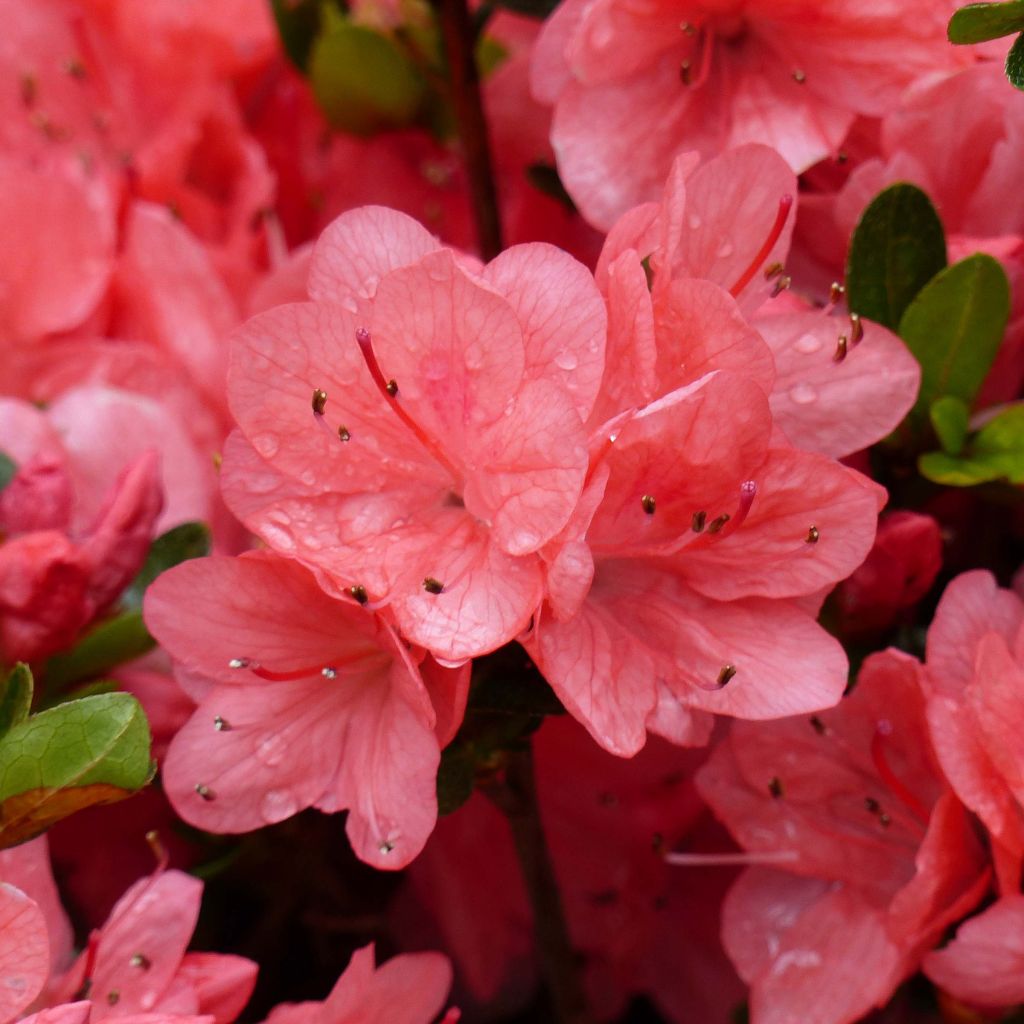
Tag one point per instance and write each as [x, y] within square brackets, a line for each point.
[685, 71]
[329, 672]
[319, 401]
[716, 524]
[648, 504]
[773, 270]
[775, 787]
[842, 345]
[835, 292]
[799, 76]
[344, 434]
[818, 725]
[698, 520]
[386, 846]
[856, 329]
[726, 674]
[432, 586]
[358, 592]
[812, 535]
[238, 663]
[774, 233]
[220, 724]
[204, 792]
[140, 961]
[781, 285]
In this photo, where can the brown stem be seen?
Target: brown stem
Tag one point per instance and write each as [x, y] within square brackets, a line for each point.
[516, 796]
[460, 47]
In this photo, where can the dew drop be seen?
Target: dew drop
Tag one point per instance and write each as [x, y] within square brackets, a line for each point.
[266, 444]
[566, 361]
[238, 663]
[272, 750]
[308, 477]
[277, 805]
[147, 1000]
[807, 343]
[695, 221]
[725, 250]
[277, 537]
[16, 983]
[474, 356]
[803, 394]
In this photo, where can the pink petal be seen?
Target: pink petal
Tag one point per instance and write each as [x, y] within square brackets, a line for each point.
[984, 964]
[358, 248]
[449, 691]
[223, 983]
[837, 408]
[70, 1013]
[562, 315]
[24, 951]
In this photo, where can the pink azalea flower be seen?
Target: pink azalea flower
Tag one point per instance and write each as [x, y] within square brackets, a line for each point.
[975, 689]
[304, 700]
[633, 87]
[68, 551]
[445, 445]
[870, 856]
[409, 989]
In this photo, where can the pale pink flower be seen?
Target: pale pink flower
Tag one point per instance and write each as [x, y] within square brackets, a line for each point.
[433, 494]
[633, 86]
[304, 700]
[408, 989]
[868, 855]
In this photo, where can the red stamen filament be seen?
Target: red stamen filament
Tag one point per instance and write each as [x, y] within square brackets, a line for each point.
[394, 401]
[713, 860]
[785, 205]
[328, 670]
[888, 776]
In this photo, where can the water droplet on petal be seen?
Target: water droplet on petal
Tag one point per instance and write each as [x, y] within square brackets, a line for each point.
[695, 221]
[473, 356]
[266, 445]
[277, 537]
[147, 1000]
[566, 361]
[15, 983]
[277, 805]
[308, 477]
[271, 751]
[807, 343]
[803, 394]
[725, 250]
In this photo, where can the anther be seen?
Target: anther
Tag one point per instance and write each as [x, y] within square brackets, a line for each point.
[884, 820]
[716, 525]
[842, 156]
[685, 72]
[359, 593]
[391, 387]
[856, 329]
[781, 285]
[432, 586]
[775, 787]
[818, 725]
[648, 504]
[204, 792]
[687, 28]
[386, 846]
[140, 960]
[344, 434]
[329, 672]
[835, 292]
[726, 674]
[799, 76]
[872, 805]
[773, 270]
[812, 535]
[319, 401]
[158, 849]
[29, 89]
[220, 724]
[75, 68]
[113, 997]
[841, 347]
[238, 663]
[698, 520]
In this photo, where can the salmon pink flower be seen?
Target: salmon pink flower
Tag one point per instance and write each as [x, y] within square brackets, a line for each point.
[304, 700]
[869, 856]
[408, 989]
[634, 86]
[444, 446]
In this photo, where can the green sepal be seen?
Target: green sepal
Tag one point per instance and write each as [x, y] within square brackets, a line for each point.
[113, 642]
[1015, 63]
[16, 698]
[977, 23]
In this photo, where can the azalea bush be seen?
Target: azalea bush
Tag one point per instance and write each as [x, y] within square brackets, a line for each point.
[511, 512]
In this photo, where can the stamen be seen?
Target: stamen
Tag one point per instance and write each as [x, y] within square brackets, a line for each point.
[389, 388]
[687, 28]
[775, 787]
[159, 851]
[319, 401]
[812, 535]
[841, 346]
[221, 724]
[386, 846]
[818, 725]
[873, 806]
[344, 434]
[727, 673]
[684, 72]
[836, 292]
[697, 523]
[889, 777]
[785, 205]
[744, 857]
[238, 663]
[329, 672]
[358, 592]
[648, 504]
[799, 76]
[715, 526]
[204, 792]
[856, 329]
[141, 961]
[781, 285]
[773, 270]
[113, 997]
[432, 586]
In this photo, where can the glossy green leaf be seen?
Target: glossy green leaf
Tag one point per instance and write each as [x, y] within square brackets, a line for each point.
[363, 81]
[1015, 63]
[949, 416]
[298, 22]
[179, 544]
[113, 642]
[8, 469]
[897, 247]
[996, 452]
[977, 23]
[954, 328]
[84, 752]
[15, 698]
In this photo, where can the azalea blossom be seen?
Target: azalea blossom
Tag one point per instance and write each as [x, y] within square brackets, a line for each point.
[414, 434]
[633, 86]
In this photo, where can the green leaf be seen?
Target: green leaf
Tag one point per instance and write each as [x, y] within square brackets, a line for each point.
[954, 328]
[113, 642]
[85, 752]
[949, 416]
[179, 544]
[8, 469]
[897, 247]
[977, 23]
[16, 698]
[996, 452]
[363, 81]
[1015, 63]
[298, 22]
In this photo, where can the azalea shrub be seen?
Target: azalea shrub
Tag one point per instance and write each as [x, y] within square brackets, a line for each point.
[511, 512]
